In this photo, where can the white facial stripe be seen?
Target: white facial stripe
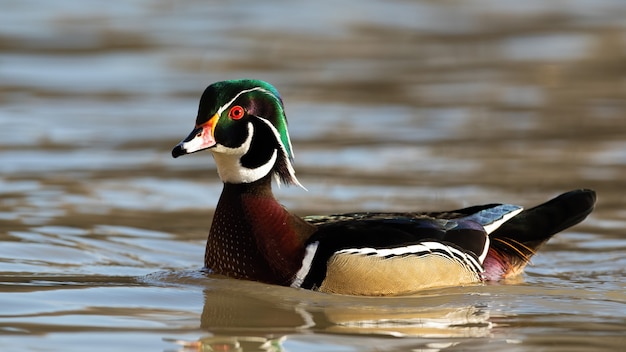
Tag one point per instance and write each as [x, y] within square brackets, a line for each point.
[292, 172]
[228, 161]
[311, 249]
[225, 106]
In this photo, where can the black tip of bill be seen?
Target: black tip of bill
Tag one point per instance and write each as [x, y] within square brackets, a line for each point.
[178, 151]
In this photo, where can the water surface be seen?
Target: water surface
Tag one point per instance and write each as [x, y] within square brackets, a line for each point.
[393, 105]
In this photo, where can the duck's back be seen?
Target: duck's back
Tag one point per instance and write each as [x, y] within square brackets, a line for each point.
[394, 253]
[397, 253]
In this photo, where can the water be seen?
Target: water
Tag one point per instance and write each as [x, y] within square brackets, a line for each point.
[392, 106]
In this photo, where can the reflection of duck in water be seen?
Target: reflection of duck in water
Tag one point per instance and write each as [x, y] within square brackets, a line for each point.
[264, 310]
[253, 237]
[231, 344]
[249, 316]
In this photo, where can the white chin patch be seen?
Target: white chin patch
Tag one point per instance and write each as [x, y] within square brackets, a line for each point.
[228, 161]
[230, 170]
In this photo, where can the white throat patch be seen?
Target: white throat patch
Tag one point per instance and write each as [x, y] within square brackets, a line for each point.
[228, 161]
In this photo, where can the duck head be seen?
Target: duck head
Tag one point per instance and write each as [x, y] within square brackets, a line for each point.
[243, 123]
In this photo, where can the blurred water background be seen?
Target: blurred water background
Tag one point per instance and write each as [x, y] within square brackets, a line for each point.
[393, 105]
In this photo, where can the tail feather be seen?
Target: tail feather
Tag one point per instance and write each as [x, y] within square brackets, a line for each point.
[518, 239]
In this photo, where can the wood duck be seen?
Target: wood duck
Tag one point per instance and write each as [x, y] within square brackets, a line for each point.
[253, 237]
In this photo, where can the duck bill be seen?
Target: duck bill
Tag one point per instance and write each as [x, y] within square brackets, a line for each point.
[202, 137]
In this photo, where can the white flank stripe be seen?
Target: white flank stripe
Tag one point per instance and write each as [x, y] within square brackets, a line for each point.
[456, 254]
[483, 255]
[306, 264]
[424, 248]
[412, 249]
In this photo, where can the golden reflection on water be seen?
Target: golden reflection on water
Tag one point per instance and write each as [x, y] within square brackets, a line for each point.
[244, 310]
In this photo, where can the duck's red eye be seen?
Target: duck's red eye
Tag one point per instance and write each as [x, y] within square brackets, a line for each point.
[236, 112]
